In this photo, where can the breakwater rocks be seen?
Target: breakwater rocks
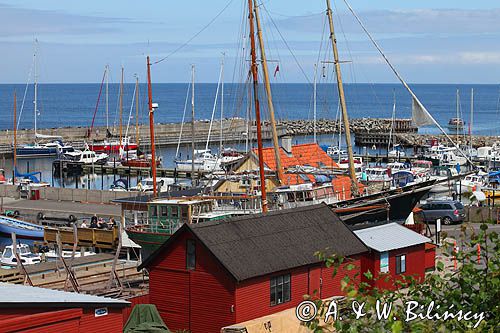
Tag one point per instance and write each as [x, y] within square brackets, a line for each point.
[358, 125]
[421, 140]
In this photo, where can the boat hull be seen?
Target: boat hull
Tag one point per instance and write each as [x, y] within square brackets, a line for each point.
[22, 229]
[35, 152]
[149, 239]
[139, 163]
[393, 204]
[114, 148]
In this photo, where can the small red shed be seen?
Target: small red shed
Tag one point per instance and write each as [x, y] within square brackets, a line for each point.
[218, 273]
[397, 252]
[32, 309]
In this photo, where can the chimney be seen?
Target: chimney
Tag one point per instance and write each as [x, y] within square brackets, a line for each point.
[286, 144]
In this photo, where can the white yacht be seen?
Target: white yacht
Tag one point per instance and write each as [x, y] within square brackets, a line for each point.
[204, 160]
[86, 157]
[27, 258]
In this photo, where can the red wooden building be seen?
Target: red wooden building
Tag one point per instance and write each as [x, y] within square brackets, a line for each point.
[218, 273]
[31, 309]
[396, 252]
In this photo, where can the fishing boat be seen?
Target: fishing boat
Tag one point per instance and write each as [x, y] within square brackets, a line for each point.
[23, 250]
[22, 229]
[165, 216]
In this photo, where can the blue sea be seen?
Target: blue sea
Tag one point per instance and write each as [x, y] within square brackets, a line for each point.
[74, 104]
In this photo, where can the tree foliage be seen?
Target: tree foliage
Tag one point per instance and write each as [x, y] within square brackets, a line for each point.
[474, 287]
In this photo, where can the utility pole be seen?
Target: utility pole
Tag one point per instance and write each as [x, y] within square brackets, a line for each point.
[345, 118]
[257, 107]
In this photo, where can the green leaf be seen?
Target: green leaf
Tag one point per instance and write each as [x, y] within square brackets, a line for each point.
[397, 327]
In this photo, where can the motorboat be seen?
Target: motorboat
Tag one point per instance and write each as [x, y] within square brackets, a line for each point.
[378, 174]
[146, 185]
[471, 183]
[336, 153]
[27, 258]
[86, 157]
[204, 160]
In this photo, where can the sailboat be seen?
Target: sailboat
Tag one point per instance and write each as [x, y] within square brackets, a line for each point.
[396, 150]
[457, 123]
[37, 149]
[110, 145]
[201, 159]
[136, 159]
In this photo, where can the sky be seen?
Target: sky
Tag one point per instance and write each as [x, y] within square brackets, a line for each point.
[428, 41]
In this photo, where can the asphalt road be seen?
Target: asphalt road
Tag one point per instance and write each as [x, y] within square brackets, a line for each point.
[61, 209]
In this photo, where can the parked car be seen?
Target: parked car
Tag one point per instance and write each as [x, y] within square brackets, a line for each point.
[448, 211]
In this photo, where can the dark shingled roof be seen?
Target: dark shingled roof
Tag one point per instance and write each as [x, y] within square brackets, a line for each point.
[256, 245]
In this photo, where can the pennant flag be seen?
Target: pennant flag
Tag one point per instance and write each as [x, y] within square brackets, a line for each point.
[276, 70]
[420, 116]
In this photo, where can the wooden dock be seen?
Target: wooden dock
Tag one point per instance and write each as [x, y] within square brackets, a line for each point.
[139, 171]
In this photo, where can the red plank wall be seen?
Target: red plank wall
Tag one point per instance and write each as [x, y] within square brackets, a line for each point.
[199, 300]
[60, 320]
[415, 266]
[253, 296]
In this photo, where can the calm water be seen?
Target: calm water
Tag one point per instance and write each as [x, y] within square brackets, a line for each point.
[74, 104]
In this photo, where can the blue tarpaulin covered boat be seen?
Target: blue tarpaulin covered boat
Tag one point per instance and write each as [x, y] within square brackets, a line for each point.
[22, 229]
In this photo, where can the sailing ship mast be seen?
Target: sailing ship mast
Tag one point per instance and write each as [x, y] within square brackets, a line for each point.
[192, 125]
[267, 85]
[15, 139]
[471, 116]
[257, 107]
[314, 101]
[106, 70]
[221, 101]
[393, 119]
[35, 102]
[137, 110]
[121, 108]
[352, 171]
[152, 129]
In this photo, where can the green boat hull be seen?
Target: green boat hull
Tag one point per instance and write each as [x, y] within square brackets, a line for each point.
[149, 240]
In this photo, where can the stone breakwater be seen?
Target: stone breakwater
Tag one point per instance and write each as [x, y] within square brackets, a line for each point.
[358, 125]
[420, 140]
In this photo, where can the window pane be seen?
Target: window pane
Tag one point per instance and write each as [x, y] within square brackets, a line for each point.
[190, 254]
[398, 265]
[286, 288]
[273, 291]
[279, 294]
[403, 263]
[384, 262]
